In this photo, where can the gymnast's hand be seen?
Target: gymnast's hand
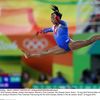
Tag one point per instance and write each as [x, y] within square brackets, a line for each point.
[26, 54]
[41, 32]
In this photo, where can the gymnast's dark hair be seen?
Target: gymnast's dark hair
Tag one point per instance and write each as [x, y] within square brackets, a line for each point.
[56, 11]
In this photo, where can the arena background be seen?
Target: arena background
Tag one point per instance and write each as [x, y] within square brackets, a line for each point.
[19, 21]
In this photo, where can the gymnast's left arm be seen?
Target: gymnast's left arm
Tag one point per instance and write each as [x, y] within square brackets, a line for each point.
[45, 30]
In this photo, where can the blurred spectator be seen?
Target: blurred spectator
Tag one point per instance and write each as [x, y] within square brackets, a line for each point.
[59, 79]
[89, 77]
[86, 76]
[43, 79]
[94, 20]
[27, 81]
[96, 5]
[98, 75]
[94, 24]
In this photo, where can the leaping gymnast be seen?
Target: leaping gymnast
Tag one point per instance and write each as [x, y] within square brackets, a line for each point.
[61, 36]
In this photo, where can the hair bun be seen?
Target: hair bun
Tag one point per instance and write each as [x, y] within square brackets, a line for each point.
[55, 8]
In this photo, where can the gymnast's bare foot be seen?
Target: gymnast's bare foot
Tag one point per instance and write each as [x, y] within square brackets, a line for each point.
[95, 37]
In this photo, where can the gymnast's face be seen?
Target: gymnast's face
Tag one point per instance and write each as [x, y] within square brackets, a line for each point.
[53, 19]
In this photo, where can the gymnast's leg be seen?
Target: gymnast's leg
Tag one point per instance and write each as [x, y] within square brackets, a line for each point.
[79, 44]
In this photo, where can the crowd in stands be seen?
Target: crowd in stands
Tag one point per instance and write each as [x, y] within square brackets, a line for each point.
[87, 77]
[90, 77]
[28, 81]
[94, 20]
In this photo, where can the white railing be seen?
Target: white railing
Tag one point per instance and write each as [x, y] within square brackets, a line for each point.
[84, 10]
